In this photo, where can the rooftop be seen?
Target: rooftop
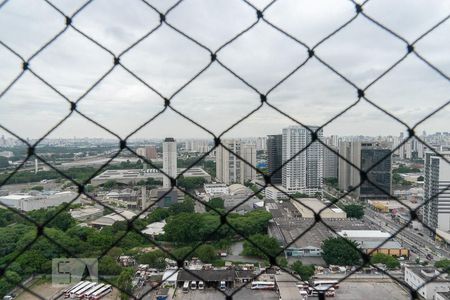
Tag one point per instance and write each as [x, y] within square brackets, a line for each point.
[377, 244]
[305, 205]
[445, 295]
[206, 275]
[428, 274]
[362, 234]
[155, 228]
[109, 220]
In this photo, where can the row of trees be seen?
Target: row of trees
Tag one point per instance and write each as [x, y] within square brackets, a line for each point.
[207, 226]
[354, 211]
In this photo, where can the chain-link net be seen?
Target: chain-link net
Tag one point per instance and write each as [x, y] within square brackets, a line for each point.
[166, 105]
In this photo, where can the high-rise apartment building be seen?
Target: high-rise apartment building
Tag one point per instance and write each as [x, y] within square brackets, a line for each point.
[330, 162]
[261, 143]
[348, 175]
[197, 145]
[365, 155]
[149, 152]
[436, 211]
[229, 168]
[274, 156]
[304, 173]
[169, 160]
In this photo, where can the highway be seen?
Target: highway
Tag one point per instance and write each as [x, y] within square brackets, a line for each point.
[420, 245]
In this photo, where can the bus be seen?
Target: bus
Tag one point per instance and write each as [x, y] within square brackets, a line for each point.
[67, 291]
[263, 285]
[81, 292]
[327, 283]
[72, 292]
[93, 290]
[186, 287]
[101, 292]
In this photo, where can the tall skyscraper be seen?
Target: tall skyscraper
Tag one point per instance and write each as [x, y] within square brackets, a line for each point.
[275, 156]
[169, 160]
[364, 155]
[229, 168]
[373, 155]
[304, 173]
[330, 162]
[436, 211]
[348, 176]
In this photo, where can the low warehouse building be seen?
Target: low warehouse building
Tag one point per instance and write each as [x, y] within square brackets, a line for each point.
[393, 248]
[211, 278]
[308, 206]
[133, 176]
[29, 202]
[371, 240]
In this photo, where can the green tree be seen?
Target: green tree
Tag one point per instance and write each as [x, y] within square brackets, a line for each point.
[124, 283]
[333, 182]
[8, 281]
[443, 264]
[10, 236]
[216, 203]
[182, 252]
[354, 211]
[190, 183]
[340, 251]
[155, 259]
[388, 260]
[187, 232]
[299, 195]
[304, 271]
[59, 219]
[282, 261]
[108, 266]
[206, 253]
[37, 188]
[187, 206]
[110, 184]
[268, 245]
[157, 215]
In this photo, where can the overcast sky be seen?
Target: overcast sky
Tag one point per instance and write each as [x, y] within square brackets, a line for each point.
[216, 99]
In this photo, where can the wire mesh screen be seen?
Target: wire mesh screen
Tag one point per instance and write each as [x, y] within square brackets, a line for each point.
[223, 223]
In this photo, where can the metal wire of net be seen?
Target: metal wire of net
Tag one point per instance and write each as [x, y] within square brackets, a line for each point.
[265, 98]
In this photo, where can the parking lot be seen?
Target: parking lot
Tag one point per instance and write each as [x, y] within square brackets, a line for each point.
[370, 291]
[244, 294]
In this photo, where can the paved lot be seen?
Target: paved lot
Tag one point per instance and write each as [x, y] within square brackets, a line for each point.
[243, 294]
[370, 291]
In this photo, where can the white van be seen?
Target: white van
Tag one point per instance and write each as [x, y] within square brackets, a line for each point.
[222, 286]
[193, 285]
[201, 285]
[186, 287]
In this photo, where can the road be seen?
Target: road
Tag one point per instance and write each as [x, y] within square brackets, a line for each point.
[420, 244]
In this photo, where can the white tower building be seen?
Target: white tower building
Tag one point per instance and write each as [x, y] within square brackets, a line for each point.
[436, 211]
[169, 160]
[304, 173]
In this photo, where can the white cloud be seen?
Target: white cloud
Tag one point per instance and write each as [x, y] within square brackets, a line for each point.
[166, 60]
